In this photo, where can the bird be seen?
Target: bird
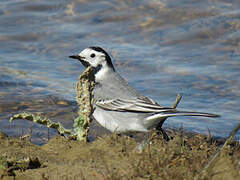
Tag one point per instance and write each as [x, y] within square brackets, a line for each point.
[119, 107]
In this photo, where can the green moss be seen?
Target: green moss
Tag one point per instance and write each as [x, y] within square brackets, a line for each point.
[84, 98]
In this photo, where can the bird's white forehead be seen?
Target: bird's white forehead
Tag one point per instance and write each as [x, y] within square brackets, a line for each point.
[89, 51]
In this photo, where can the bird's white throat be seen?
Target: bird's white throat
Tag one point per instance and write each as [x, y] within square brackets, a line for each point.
[102, 73]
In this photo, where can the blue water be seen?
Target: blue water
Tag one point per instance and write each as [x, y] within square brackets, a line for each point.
[162, 47]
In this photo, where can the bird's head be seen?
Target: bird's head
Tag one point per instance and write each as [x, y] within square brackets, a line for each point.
[95, 57]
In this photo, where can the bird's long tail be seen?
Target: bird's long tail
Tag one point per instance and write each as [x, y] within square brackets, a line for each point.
[190, 113]
[180, 113]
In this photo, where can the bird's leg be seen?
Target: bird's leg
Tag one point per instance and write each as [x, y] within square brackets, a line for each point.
[161, 131]
[159, 126]
[165, 136]
[144, 143]
[140, 147]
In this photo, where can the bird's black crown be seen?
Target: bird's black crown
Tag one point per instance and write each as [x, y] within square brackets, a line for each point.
[108, 58]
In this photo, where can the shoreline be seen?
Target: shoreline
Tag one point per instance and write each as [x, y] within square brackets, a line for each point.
[115, 157]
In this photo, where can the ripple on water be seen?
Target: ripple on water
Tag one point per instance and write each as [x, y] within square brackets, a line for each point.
[161, 47]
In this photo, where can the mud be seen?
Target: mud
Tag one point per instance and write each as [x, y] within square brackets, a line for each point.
[115, 157]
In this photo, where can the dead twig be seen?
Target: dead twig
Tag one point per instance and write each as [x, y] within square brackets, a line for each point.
[214, 158]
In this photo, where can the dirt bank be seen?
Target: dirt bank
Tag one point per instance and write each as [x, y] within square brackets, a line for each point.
[115, 157]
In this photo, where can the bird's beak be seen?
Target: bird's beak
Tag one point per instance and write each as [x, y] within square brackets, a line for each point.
[81, 59]
[76, 57]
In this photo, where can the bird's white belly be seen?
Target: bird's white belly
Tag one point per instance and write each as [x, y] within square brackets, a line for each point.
[119, 121]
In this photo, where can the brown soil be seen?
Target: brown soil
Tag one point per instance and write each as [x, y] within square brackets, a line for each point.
[115, 157]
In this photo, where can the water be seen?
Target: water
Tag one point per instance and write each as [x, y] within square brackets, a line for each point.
[162, 47]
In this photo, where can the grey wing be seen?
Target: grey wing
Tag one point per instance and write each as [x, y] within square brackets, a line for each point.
[115, 94]
[146, 105]
[114, 86]
[140, 104]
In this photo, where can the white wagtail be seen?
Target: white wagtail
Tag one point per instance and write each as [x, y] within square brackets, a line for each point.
[119, 107]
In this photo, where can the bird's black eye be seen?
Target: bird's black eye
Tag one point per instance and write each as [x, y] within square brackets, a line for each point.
[92, 55]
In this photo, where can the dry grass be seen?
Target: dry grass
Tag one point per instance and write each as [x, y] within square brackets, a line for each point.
[115, 157]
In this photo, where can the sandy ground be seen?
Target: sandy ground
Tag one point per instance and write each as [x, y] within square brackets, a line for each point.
[116, 157]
